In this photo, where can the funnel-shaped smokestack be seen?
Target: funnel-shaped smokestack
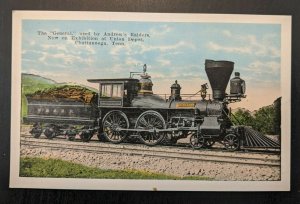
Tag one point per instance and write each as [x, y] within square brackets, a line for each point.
[218, 73]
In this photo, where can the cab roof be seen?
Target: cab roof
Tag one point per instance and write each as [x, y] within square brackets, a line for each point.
[113, 80]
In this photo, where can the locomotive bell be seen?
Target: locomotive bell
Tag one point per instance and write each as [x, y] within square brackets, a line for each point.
[175, 91]
[218, 73]
[237, 85]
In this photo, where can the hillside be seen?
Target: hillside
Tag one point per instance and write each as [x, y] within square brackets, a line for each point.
[32, 83]
[36, 79]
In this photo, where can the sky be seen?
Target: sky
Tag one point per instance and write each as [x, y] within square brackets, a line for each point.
[171, 50]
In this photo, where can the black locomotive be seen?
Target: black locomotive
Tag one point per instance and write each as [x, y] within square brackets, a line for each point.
[127, 108]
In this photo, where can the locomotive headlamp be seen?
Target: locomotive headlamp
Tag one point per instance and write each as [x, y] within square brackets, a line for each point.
[237, 85]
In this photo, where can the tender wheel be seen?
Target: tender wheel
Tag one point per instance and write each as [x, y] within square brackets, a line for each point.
[112, 121]
[150, 120]
[231, 142]
[197, 142]
[85, 135]
[71, 138]
[36, 132]
[71, 134]
[50, 132]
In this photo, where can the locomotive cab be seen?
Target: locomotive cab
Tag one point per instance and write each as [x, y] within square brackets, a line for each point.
[116, 92]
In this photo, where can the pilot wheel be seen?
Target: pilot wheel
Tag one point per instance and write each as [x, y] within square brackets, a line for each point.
[231, 142]
[197, 142]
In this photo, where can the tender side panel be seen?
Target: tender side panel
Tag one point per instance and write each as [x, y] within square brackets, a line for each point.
[67, 112]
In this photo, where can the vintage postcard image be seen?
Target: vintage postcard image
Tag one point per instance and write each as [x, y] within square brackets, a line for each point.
[148, 101]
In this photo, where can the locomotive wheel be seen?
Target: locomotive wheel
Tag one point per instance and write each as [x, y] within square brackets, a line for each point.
[111, 122]
[197, 142]
[49, 132]
[150, 120]
[231, 142]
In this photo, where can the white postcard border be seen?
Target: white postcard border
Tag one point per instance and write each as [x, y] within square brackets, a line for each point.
[161, 185]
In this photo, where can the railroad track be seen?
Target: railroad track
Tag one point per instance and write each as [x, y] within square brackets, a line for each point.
[183, 146]
[166, 153]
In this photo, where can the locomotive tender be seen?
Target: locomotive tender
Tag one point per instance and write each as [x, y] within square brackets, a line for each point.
[127, 107]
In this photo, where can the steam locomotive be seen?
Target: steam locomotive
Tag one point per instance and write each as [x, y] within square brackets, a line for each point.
[127, 108]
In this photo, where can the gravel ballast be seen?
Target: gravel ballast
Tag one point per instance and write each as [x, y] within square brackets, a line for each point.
[178, 167]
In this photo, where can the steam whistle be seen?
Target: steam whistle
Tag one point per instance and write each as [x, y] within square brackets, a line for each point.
[144, 69]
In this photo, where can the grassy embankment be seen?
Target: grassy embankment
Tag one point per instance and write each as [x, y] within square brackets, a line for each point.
[55, 168]
[31, 84]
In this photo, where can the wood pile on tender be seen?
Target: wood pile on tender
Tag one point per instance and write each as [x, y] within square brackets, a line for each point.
[68, 92]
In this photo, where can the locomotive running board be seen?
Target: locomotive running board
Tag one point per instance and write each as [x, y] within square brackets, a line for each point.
[158, 130]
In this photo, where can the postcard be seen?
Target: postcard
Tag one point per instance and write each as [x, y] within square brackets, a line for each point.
[150, 101]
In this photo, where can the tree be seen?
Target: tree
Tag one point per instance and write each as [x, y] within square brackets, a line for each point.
[243, 117]
[277, 116]
[264, 119]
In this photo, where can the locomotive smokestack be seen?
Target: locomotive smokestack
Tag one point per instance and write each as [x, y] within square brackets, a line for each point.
[218, 73]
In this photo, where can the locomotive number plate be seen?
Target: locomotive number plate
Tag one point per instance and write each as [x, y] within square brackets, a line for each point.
[185, 105]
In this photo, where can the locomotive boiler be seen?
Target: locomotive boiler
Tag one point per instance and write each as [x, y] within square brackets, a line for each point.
[126, 108]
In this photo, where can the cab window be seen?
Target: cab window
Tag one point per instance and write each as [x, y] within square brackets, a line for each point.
[117, 90]
[111, 90]
[106, 90]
